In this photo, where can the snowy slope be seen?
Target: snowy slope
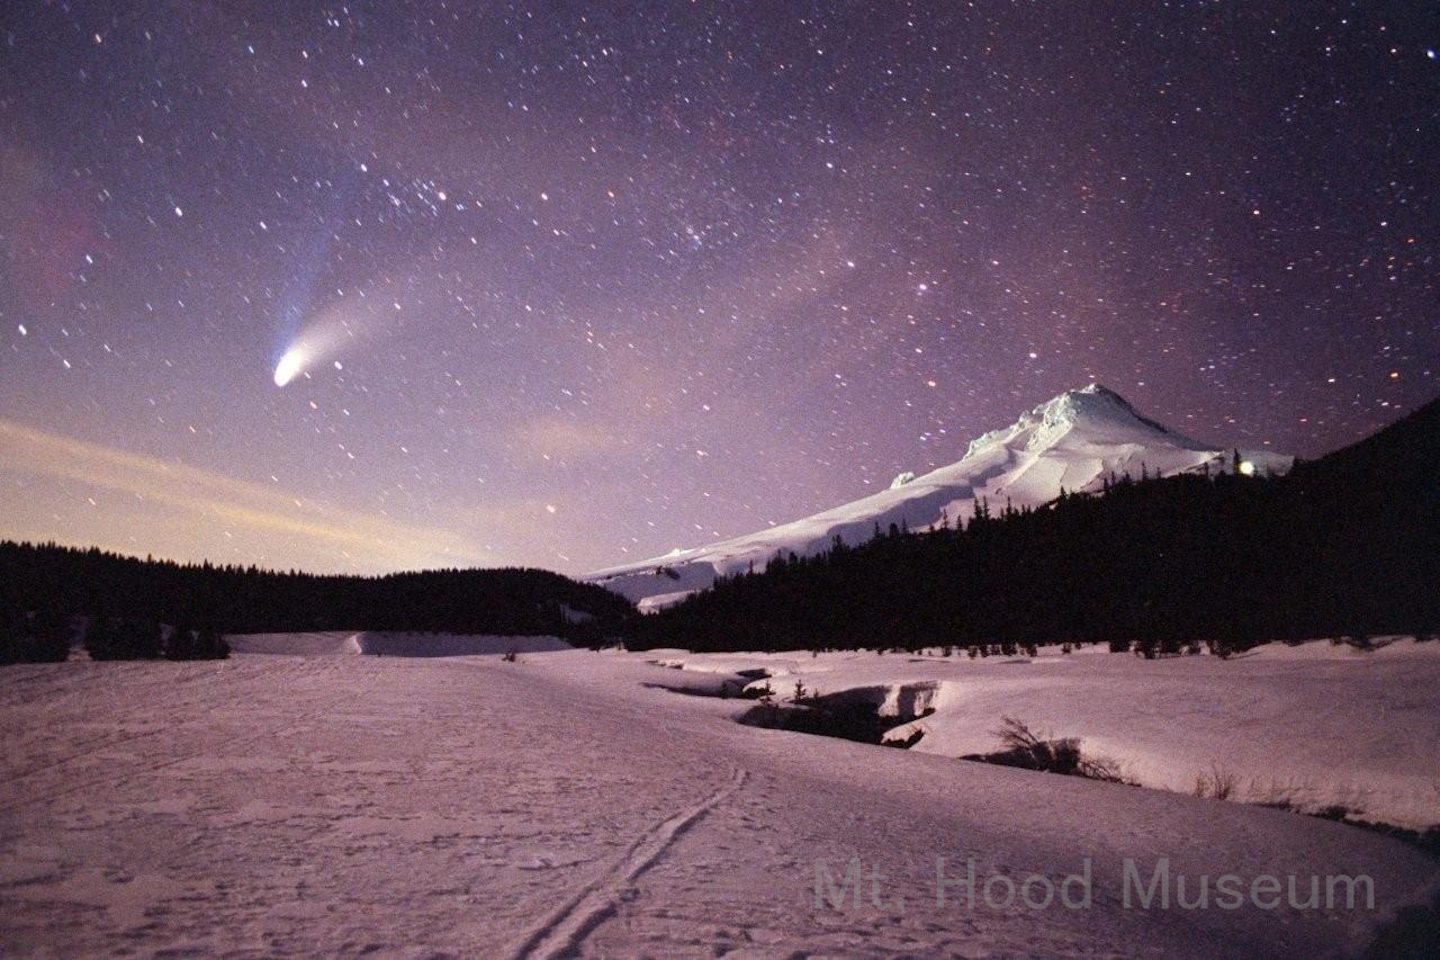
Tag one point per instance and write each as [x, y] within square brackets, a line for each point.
[281, 806]
[1074, 441]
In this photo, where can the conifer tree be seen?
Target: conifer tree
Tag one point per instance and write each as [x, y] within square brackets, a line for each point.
[9, 636]
[209, 645]
[181, 643]
[49, 636]
[98, 640]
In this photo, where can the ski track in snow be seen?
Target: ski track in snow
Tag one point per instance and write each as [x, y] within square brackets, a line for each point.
[294, 806]
[97, 747]
[562, 932]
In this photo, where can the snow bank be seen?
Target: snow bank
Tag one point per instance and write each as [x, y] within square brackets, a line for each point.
[385, 644]
[1313, 726]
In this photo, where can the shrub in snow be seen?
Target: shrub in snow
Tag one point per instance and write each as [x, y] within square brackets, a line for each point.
[1052, 756]
[188, 643]
[1217, 784]
[1222, 648]
[1028, 750]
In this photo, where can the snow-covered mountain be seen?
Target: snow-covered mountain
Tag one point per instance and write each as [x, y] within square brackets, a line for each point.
[1074, 441]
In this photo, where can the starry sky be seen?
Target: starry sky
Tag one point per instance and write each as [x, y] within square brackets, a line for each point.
[572, 284]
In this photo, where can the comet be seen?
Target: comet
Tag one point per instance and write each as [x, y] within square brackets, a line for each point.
[332, 331]
[291, 365]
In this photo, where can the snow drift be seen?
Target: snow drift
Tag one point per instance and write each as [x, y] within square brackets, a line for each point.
[331, 643]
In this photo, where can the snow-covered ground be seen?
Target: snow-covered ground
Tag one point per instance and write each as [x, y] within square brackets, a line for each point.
[388, 644]
[1313, 726]
[297, 805]
[1073, 442]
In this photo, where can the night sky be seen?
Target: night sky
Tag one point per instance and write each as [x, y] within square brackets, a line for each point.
[577, 283]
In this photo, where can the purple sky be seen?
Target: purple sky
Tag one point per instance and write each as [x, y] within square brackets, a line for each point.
[574, 284]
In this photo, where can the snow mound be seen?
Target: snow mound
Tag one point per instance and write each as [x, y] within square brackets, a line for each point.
[1073, 442]
[330, 643]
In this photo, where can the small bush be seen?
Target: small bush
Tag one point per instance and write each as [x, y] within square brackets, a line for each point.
[1220, 648]
[187, 643]
[1360, 641]
[1217, 784]
[764, 693]
[1030, 751]
[1103, 769]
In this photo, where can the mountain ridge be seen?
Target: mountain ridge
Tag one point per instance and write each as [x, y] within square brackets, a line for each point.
[1345, 547]
[1072, 442]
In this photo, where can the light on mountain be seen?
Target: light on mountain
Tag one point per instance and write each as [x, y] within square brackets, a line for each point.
[1247, 468]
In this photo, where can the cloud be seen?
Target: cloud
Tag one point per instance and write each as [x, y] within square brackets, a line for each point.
[206, 497]
[565, 439]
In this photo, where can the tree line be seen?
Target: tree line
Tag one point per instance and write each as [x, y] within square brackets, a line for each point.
[47, 635]
[40, 582]
[1348, 545]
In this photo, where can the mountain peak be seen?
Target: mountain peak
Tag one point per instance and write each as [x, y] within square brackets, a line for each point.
[1072, 442]
[1098, 388]
[1090, 399]
[1092, 409]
